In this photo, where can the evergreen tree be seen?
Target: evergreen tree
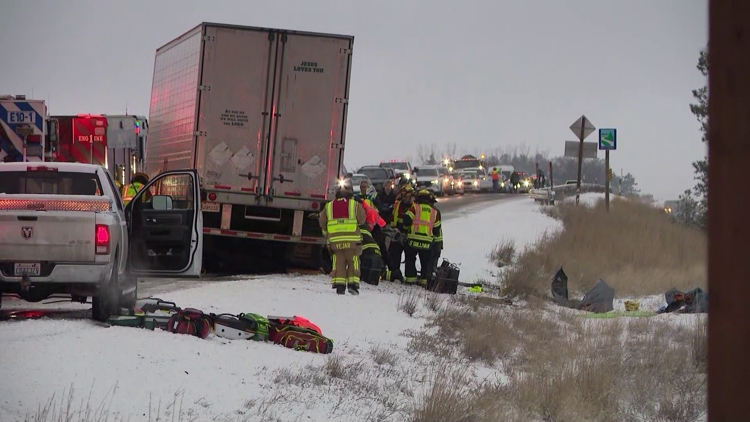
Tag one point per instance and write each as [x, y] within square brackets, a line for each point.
[700, 167]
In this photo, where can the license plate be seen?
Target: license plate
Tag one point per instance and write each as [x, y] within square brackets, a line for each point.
[210, 206]
[32, 269]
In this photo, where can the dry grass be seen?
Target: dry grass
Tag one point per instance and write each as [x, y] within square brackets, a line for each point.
[383, 355]
[503, 253]
[635, 248]
[408, 301]
[562, 367]
[63, 408]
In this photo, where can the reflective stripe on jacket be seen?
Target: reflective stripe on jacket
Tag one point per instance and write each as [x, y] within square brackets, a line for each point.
[424, 219]
[341, 224]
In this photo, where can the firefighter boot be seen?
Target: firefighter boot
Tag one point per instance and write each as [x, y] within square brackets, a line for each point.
[340, 288]
[353, 288]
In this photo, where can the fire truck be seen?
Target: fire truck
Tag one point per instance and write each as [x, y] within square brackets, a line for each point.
[22, 129]
[117, 142]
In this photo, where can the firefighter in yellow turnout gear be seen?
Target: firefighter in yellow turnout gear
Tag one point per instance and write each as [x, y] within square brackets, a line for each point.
[137, 183]
[340, 221]
[424, 238]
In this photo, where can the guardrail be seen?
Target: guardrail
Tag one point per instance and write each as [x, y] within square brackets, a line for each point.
[548, 196]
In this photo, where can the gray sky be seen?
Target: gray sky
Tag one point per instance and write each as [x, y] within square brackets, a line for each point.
[483, 74]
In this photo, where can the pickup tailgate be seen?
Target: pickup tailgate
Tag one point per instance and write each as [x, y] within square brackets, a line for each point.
[36, 228]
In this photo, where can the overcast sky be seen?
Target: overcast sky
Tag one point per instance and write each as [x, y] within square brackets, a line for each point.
[480, 73]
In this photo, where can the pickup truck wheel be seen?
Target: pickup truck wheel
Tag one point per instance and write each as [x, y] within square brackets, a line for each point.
[107, 301]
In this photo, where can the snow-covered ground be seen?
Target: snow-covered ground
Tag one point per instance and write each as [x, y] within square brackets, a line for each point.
[470, 238]
[135, 373]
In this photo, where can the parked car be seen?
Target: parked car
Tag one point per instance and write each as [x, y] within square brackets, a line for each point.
[399, 167]
[485, 181]
[470, 181]
[378, 176]
[447, 180]
[429, 178]
[457, 183]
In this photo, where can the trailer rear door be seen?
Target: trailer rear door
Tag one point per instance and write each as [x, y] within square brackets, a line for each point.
[310, 103]
[234, 107]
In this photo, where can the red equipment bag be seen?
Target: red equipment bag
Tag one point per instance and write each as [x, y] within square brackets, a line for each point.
[190, 321]
[296, 321]
[300, 338]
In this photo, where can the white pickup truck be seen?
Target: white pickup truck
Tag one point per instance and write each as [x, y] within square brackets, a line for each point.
[64, 230]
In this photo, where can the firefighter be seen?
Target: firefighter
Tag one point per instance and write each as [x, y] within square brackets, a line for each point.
[424, 232]
[340, 221]
[396, 248]
[373, 249]
[137, 183]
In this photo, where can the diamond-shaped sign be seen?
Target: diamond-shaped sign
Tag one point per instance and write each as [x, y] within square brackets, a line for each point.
[582, 128]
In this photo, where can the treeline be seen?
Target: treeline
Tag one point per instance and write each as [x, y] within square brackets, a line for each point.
[522, 159]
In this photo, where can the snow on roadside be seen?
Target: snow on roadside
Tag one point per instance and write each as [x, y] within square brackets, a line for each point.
[588, 199]
[219, 379]
[469, 239]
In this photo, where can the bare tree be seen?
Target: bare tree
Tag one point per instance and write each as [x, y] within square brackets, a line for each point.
[426, 154]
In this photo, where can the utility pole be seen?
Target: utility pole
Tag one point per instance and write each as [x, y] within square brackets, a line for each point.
[728, 202]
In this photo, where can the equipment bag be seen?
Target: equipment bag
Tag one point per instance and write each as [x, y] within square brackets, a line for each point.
[371, 268]
[155, 312]
[260, 323]
[233, 327]
[190, 321]
[297, 321]
[446, 279]
[300, 338]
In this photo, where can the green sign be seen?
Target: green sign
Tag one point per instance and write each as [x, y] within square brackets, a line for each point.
[608, 139]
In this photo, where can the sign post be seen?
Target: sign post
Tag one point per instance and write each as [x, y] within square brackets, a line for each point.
[582, 128]
[607, 142]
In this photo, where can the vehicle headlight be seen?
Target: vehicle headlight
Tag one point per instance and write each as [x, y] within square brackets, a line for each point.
[435, 182]
[407, 175]
[502, 184]
[476, 182]
[526, 183]
[341, 182]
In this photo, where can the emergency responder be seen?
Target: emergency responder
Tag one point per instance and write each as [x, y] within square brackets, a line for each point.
[396, 248]
[495, 179]
[387, 200]
[372, 250]
[340, 221]
[514, 179]
[137, 183]
[367, 194]
[424, 231]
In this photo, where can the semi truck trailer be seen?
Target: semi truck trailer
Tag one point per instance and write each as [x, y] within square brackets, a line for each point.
[261, 114]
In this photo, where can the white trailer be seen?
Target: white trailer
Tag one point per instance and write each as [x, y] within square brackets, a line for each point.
[261, 114]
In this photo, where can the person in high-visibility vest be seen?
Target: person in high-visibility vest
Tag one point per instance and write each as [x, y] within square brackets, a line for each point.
[137, 183]
[340, 221]
[495, 179]
[423, 236]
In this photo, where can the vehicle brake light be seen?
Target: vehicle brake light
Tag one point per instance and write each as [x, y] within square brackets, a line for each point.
[102, 239]
[41, 168]
[212, 196]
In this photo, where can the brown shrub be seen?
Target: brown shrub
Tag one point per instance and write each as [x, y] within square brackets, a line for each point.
[562, 367]
[635, 248]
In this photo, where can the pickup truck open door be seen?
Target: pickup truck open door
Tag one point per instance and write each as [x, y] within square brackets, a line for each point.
[165, 226]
